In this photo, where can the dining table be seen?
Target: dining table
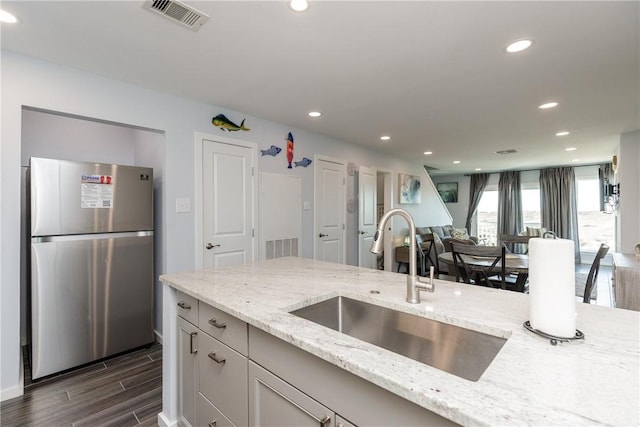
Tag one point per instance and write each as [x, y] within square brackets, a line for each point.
[514, 263]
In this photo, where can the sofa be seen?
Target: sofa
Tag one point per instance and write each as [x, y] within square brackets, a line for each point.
[442, 236]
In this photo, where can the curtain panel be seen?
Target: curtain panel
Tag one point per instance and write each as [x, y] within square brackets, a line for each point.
[510, 217]
[558, 206]
[476, 188]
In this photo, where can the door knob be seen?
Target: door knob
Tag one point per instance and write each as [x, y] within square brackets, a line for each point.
[322, 235]
[210, 246]
[361, 232]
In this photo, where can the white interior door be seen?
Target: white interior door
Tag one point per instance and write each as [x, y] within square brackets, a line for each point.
[367, 218]
[330, 213]
[228, 203]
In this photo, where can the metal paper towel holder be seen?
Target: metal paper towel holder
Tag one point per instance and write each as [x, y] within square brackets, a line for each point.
[552, 338]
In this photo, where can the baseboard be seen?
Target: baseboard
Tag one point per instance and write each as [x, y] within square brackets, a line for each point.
[164, 422]
[158, 336]
[12, 392]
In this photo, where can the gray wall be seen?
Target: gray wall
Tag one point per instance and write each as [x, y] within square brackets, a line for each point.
[27, 82]
[628, 176]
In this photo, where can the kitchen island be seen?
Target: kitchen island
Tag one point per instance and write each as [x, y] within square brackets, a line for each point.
[595, 381]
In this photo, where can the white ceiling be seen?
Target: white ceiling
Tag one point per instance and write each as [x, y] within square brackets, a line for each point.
[432, 75]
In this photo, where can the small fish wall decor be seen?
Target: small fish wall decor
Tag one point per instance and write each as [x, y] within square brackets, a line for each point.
[221, 121]
[304, 162]
[289, 149]
[271, 151]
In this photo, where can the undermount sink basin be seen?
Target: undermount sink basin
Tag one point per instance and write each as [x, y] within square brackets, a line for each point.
[453, 349]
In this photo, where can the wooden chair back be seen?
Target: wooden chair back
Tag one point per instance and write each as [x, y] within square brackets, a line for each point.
[515, 243]
[592, 278]
[481, 275]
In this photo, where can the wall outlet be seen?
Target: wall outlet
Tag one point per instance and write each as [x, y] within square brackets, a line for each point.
[183, 205]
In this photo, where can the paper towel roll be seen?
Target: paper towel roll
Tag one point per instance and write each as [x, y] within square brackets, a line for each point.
[552, 286]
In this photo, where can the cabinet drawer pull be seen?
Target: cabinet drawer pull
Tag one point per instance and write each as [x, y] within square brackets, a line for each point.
[185, 306]
[213, 322]
[213, 423]
[213, 357]
[192, 348]
[324, 422]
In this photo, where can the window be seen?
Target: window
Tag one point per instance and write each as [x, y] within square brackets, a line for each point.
[594, 227]
[531, 206]
[487, 214]
[487, 217]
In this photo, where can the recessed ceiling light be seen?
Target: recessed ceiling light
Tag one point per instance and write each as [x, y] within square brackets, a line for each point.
[548, 105]
[385, 138]
[575, 160]
[7, 18]
[299, 5]
[315, 114]
[563, 133]
[455, 162]
[478, 169]
[570, 149]
[519, 46]
[428, 153]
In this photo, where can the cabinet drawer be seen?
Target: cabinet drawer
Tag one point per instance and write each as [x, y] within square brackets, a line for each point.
[208, 415]
[223, 378]
[224, 327]
[187, 307]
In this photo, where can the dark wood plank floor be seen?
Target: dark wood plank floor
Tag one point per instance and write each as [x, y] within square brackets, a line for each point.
[122, 391]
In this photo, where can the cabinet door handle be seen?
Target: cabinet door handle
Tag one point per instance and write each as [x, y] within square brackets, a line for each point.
[214, 323]
[213, 423]
[192, 348]
[324, 422]
[185, 306]
[322, 235]
[213, 357]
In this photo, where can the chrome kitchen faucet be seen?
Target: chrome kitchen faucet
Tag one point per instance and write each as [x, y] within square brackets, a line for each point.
[414, 284]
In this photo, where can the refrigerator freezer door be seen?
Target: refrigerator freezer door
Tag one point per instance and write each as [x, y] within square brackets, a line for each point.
[77, 198]
[92, 297]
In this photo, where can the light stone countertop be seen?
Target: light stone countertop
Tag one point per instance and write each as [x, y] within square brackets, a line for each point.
[595, 381]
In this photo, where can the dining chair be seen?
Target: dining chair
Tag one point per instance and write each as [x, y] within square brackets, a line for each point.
[586, 283]
[491, 273]
[511, 240]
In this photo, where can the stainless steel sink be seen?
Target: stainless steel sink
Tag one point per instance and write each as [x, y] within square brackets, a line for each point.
[459, 351]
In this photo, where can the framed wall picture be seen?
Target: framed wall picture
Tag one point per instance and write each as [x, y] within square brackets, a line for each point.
[448, 191]
[409, 189]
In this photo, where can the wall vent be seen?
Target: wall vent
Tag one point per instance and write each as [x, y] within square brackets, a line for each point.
[281, 248]
[178, 12]
[510, 151]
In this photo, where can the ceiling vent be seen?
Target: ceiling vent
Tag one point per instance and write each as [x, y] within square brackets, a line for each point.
[506, 151]
[178, 12]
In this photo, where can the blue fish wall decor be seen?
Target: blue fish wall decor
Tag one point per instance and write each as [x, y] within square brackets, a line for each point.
[304, 162]
[271, 151]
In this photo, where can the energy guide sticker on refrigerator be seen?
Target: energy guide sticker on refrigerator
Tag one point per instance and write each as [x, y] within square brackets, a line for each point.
[91, 261]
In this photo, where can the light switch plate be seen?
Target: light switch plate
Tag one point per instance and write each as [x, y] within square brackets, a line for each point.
[183, 205]
[306, 205]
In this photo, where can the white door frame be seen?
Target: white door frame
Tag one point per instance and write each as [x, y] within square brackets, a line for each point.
[199, 188]
[388, 204]
[371, 229]
[316, 158]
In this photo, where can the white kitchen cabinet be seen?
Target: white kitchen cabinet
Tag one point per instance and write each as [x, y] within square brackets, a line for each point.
[273, 402]
[212, 376]
[223, 378]
[187, 372]
[231, 374]
[207, 415]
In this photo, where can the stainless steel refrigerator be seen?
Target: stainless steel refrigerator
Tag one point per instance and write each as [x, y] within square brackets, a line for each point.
[91, 261]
